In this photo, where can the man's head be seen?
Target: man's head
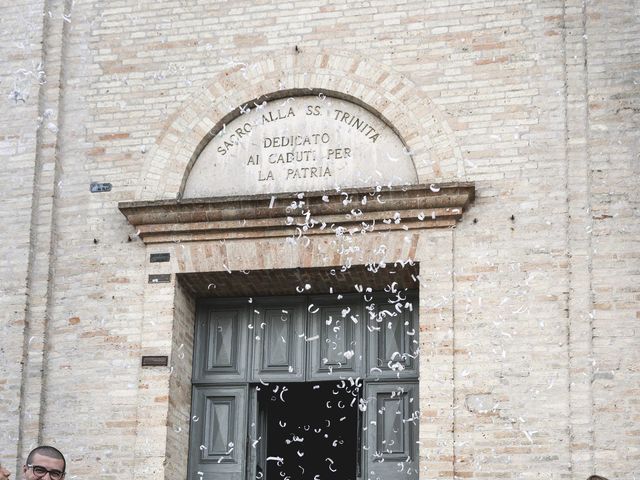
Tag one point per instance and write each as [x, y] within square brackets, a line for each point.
[4, 473]
[43, 462]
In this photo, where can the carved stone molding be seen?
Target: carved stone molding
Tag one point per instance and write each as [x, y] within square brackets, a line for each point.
[349, 211]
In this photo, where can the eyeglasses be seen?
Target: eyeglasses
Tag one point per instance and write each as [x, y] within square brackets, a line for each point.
[40, 472]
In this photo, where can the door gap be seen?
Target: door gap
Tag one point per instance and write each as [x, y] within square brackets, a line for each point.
[311, 430]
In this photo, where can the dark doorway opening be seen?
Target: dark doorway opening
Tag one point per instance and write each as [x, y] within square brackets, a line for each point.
[312, 430]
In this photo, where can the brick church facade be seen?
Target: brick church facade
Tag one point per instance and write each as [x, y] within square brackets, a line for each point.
[218, 214]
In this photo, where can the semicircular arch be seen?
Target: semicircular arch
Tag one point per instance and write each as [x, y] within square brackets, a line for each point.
[374, 86]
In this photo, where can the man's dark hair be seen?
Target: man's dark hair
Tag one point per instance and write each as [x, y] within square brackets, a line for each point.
[47, 451]
[596, 477]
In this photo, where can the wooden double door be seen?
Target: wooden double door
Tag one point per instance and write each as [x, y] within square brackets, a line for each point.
[306, 387]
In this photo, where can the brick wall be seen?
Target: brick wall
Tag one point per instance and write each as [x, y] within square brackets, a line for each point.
[22, 151]
[529, 310]
[613, 91]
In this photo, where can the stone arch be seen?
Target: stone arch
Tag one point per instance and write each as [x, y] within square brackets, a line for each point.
[390, 95]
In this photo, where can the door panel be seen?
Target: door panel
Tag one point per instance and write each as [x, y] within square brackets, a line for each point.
[392, 430]
[278, 340]
[335, 338]
[393, 337]
[257, 437]
[221, 342]
[217, 441]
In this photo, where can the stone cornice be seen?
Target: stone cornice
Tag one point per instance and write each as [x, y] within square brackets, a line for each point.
[349, 211]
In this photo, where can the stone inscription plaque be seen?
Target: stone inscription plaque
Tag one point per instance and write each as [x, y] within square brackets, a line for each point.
[305, 143]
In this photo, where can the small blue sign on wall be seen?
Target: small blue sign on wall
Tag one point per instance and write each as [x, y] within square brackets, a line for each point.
[98, 187]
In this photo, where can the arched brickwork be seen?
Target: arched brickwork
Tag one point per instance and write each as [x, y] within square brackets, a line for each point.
[387, 93]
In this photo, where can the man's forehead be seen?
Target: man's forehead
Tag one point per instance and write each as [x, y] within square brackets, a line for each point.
[45, 460]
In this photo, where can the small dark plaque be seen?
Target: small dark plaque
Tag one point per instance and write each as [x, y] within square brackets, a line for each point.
[160, 278]
[155, 361]
[97, 187]
[159, 257]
